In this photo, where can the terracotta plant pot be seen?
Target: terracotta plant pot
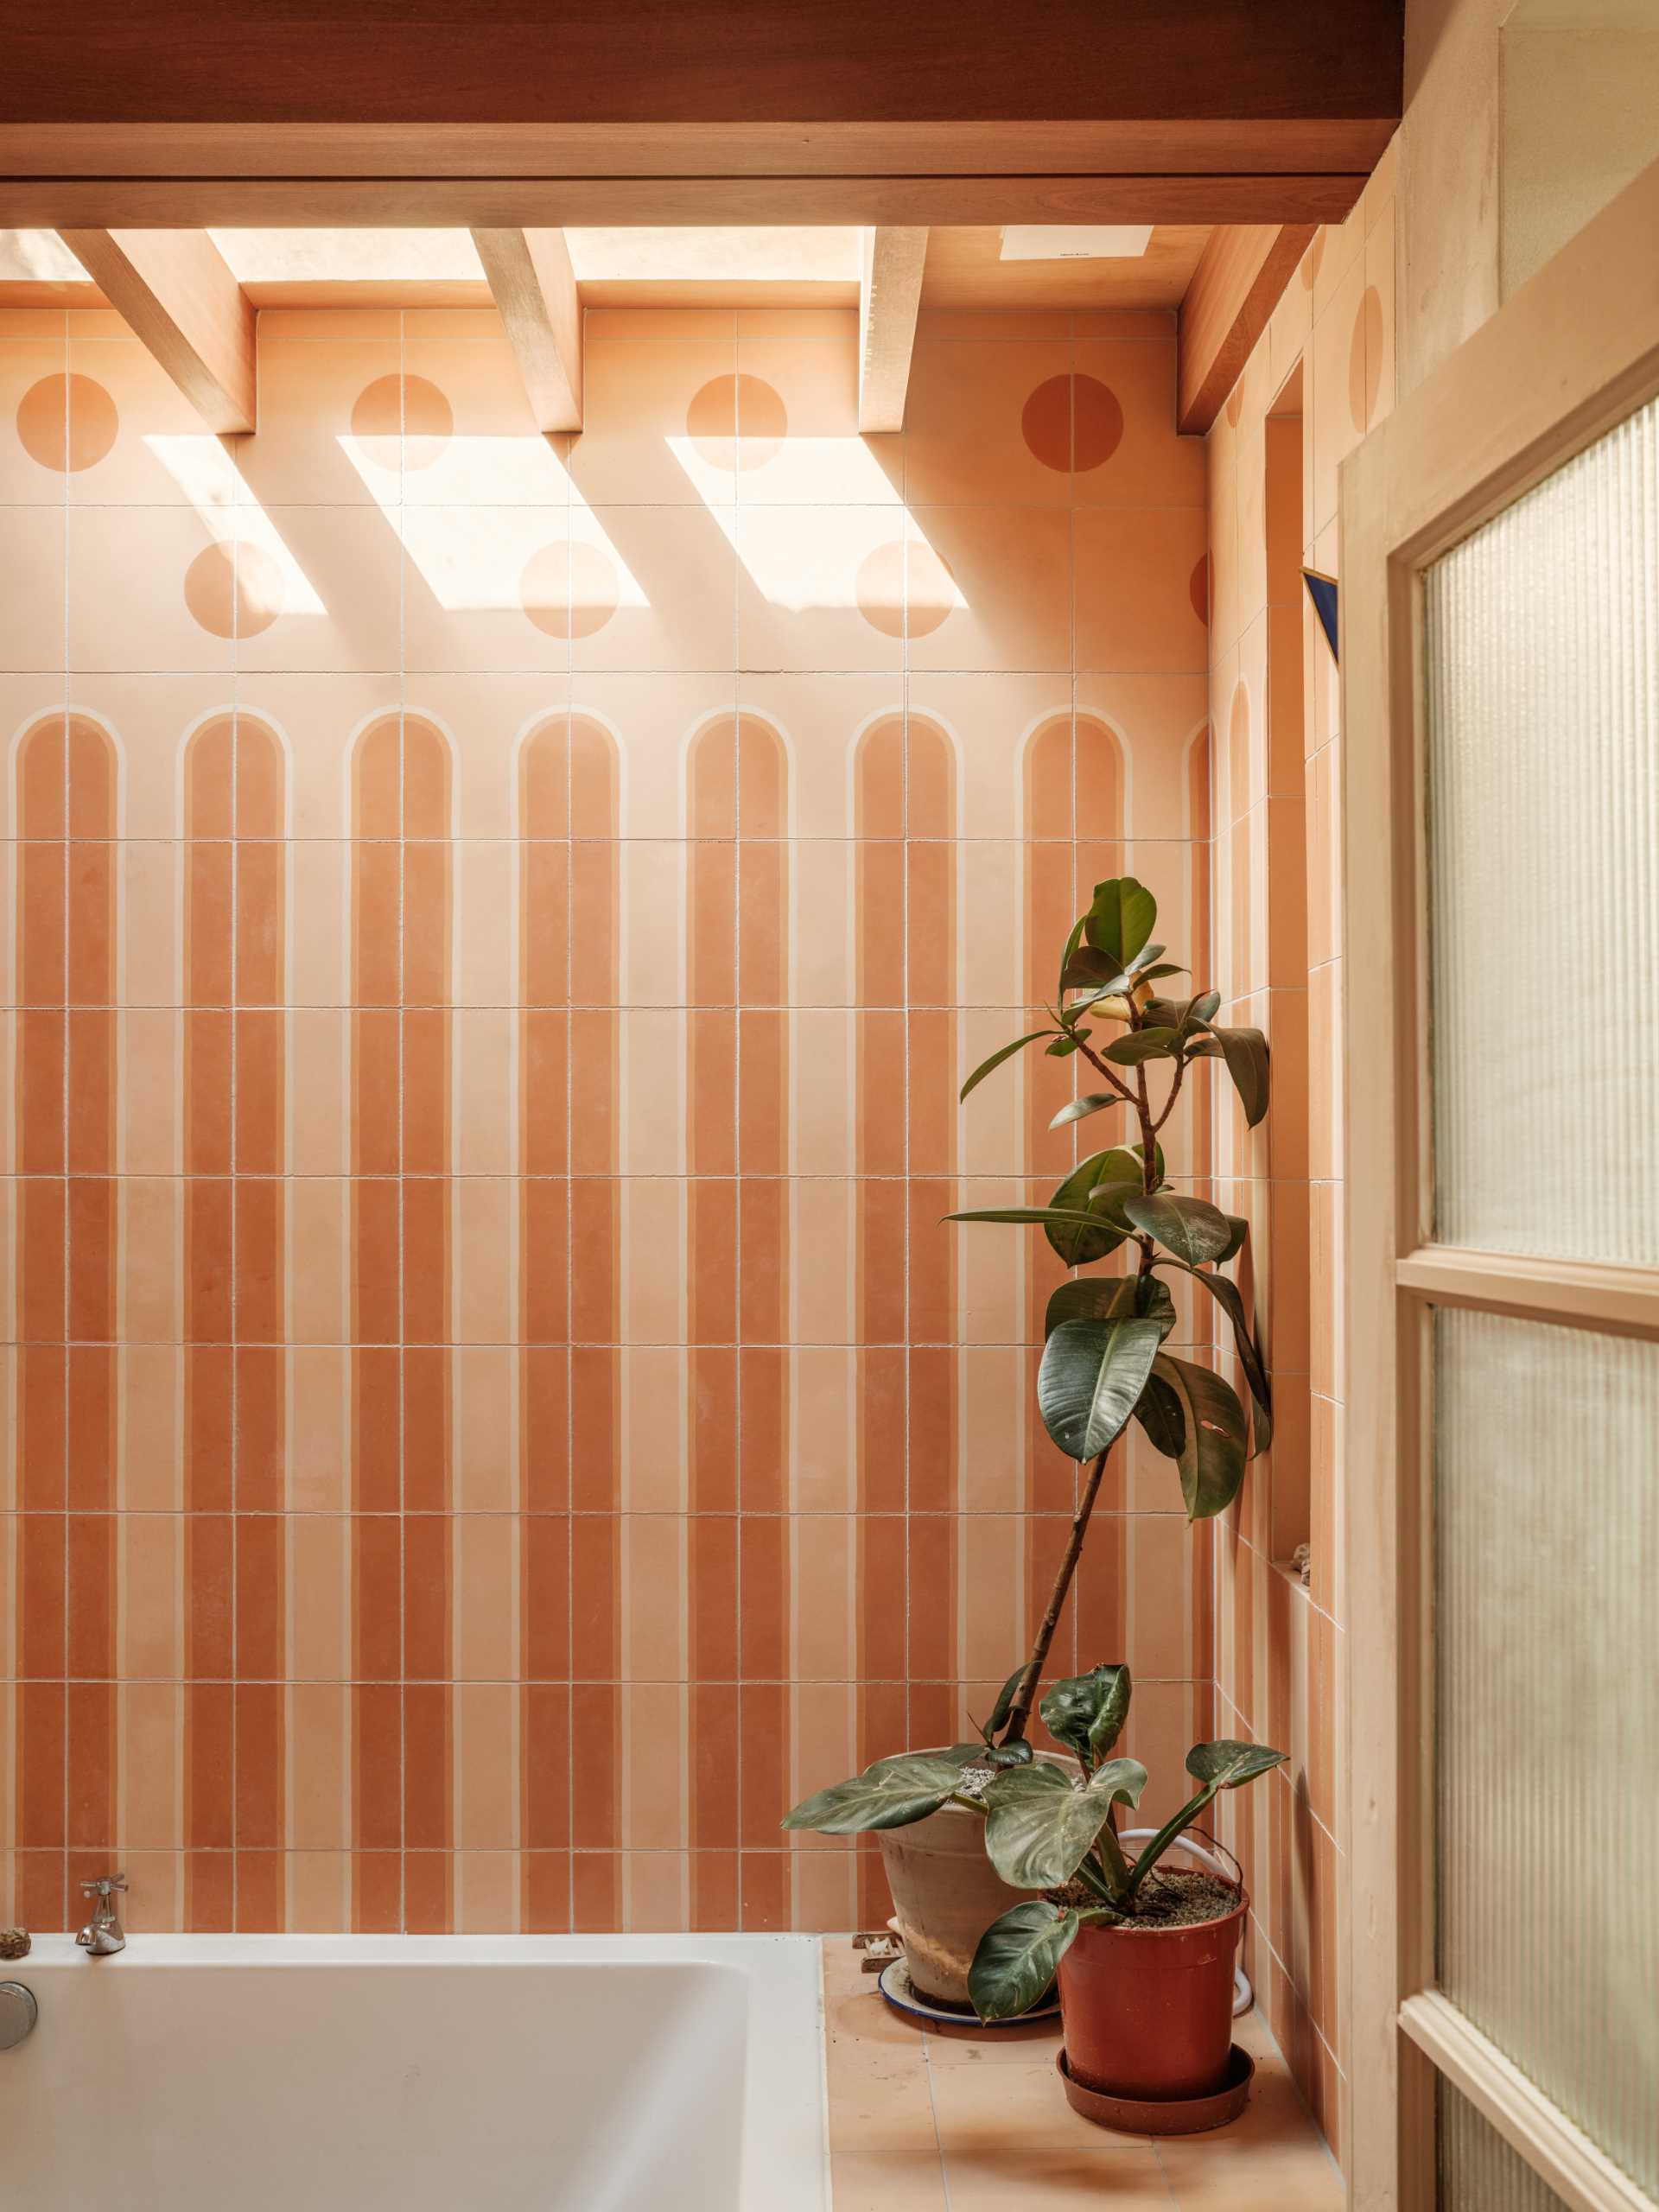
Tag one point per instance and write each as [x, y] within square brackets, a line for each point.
[1149, 2013]
[945, 1894]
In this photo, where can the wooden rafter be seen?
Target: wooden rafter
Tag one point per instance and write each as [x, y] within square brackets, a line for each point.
[535, 287]
[889, 294]
[173, 289]
[1233, 290]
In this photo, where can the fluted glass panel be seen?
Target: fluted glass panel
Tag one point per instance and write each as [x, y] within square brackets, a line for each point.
[1546, 1485]
[1542, 651]
[1478, 2171]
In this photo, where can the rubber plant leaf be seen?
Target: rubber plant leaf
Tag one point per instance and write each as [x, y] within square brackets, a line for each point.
[1111, 1298]
[1086, 1713]
[1016, 1958]
[1149, 1043]
[1228, 1295]
[1078, 1109]
[1120, 919]
[1091, 1378]
[891, 1794]
[1003, 1052]
[1096, 1189]
[1191, 1229]
[1211, 1455]
[1040, 1827]
[1245, 1051]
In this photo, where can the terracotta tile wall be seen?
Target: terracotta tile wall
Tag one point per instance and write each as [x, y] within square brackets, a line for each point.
[1320, 377]
[496, 925]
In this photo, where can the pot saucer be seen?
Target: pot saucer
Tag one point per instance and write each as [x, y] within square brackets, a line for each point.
[1165, 2115]
[894, 1983]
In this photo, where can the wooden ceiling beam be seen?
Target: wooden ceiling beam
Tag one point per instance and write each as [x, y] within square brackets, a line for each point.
[636, 62]
[978, 198]
[1235, 288]
[889, 295]
[534, 286]
[174, 293]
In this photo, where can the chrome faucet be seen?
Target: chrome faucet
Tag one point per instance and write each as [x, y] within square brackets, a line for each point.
[101, 1937]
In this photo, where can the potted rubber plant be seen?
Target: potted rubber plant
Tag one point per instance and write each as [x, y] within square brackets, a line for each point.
[1143, 1952]
[1103, 1364]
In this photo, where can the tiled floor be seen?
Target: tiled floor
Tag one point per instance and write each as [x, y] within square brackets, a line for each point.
[953, 2120]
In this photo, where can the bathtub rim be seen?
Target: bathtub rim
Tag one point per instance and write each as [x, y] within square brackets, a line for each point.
[784, 2072]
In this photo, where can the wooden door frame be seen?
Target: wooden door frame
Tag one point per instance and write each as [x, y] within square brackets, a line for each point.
[1569, 356]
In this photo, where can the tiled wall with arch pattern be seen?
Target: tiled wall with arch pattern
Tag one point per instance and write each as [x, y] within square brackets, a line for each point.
[495, 926]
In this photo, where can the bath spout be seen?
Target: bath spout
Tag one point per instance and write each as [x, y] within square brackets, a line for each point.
[102, 1936]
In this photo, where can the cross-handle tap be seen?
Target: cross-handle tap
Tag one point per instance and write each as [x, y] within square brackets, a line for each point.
[101, 1937]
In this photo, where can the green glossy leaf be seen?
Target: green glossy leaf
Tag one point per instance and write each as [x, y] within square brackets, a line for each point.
[1003, 1052]
[1148, 1043]
[1238, 1229]
[1228, 1295]
[1224, 1764]
[1090, 1378]
[1086, 1713]
[1095, 1188]
[1156, 974]
[1120, 919]
[1062, 1048]
[1245, 1051]
[1040, 1826]
[1015, 1754]
[1211, 1455]
[1071, 943]
[1085, 968]
[890, 1793]
[1111, 1298]
[1061, 1218]
[1004, 1705]
[1078, 1109]
[1204, 1008]
[1191, 1229]
[1160, 1413]
[1016, 1958]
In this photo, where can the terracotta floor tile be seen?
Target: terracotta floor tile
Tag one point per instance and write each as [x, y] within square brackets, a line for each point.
[974, 2111]
[1305, 2180]
[868, 2184]
[968, 2046]
[1030, 2172]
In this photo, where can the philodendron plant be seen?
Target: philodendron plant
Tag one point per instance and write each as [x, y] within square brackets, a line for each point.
[1043, 1831]
[1103, 1361]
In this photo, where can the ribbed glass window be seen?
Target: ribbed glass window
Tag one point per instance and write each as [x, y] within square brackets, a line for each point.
[1478, 2171]
[1546, 1489]
[1542, 651]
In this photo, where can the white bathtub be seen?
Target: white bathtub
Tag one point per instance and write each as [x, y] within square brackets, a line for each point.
[415, 2074]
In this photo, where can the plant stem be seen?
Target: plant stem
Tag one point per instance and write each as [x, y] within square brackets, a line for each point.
[1019, 1710]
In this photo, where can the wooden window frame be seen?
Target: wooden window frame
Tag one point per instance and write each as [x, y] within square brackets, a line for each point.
[1573, 353]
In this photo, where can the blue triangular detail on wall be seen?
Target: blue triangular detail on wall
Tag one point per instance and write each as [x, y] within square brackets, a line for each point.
[1322, 590]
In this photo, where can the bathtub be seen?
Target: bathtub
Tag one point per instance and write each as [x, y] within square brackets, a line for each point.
[419, 2074]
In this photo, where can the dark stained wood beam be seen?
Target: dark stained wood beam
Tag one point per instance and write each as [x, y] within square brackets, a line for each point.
[534, 288]
[1235, 288]
[635, 61]
[345, 111]
[174, 291]
[889, 295]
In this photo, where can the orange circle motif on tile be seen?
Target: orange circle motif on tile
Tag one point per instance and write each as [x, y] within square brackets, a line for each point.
[1365, 359]
[66, 422]
[411, 409]
[234, 591]
[882, 584]
[737, 423]
[1072, 422]
[1198, 588]
[569, 589]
